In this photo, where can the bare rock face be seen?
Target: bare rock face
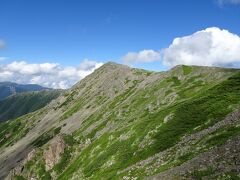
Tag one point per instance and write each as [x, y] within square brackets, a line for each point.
[18, 170]
[52, 155]
[31, 155]
[168, 118]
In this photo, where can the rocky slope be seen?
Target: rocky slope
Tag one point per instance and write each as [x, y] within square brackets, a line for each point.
[123, 123]
[23, 103]
[9, 88]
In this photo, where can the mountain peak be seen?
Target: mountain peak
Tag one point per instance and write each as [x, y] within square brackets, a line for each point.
[111, 64]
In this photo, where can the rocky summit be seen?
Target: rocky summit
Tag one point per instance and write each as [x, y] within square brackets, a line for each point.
[126, 123]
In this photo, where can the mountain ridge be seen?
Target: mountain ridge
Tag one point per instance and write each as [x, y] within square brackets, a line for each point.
[118, 117]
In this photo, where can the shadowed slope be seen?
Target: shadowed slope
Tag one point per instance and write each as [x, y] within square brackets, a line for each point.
[20, 104]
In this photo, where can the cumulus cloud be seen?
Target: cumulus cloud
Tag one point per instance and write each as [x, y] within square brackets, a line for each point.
[46, 74]
[209, 47]
[143, 56]
[234, 2]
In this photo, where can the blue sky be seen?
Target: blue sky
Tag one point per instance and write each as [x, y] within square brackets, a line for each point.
[69, 31]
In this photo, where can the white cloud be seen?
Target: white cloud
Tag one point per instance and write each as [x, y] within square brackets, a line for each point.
[234, 2]
[46, 74]
[143, 56]
[3, 58]
[209, 47]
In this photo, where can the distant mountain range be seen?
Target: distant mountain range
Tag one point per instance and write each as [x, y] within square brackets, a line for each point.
[9, 88]
[126, 123]
[23, 103]
[19, 99]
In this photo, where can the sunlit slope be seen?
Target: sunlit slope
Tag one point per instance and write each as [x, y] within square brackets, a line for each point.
[123, 123]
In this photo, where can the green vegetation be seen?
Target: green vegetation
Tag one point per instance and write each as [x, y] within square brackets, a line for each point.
[64, 161]
[175, 80]
[229, 176]
[19, 178]
[139, 72]
[45, 137]
[20, 104]
[145, 120]
[67, 155]
[126, 81]
[69, 98]
[36, 166]
[12, 131]
[186, 69]
[209, 106]
[42, 173]
[221, 136]
[199, 174]
[100, 100]
[72, 110]
[69, 140]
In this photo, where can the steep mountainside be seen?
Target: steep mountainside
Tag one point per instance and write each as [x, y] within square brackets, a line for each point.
[124, 123]
[23, 103]
[9, 88]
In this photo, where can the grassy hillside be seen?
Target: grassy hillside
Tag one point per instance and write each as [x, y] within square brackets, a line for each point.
[123, 123]
[20, 104]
